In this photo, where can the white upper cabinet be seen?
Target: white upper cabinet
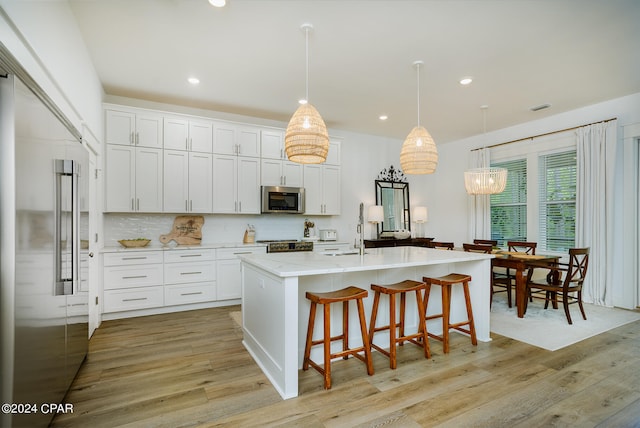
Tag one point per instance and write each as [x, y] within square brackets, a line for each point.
[322, 189]
[272, 144]
[134, 128]
[281, 173]
[200, 182]
[333, 157]
[188, 182]
[201, 136]
[176, 181]
[234, 139]
[133, 179]
[184, 134]
[248, 141]
[236, 185]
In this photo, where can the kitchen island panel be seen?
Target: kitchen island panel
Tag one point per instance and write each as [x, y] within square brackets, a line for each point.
[270, 323]
[275, 309]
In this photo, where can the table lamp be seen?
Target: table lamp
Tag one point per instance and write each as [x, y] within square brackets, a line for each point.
[419, 217]
[376, 215]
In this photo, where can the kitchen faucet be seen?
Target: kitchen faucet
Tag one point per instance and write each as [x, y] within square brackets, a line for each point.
[360, 228]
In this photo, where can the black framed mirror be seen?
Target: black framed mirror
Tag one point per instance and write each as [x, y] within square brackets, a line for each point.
[392, 192]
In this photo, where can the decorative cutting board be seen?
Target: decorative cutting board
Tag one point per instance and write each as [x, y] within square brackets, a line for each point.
[187, 230]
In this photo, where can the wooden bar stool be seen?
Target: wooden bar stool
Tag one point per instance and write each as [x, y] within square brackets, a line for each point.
[445, 282]
[420, 338]
[345, 295]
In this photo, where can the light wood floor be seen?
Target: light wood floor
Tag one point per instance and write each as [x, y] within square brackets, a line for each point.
[190, 369]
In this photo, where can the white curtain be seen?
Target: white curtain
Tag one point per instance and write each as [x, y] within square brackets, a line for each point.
[479, 205]
[594, 207]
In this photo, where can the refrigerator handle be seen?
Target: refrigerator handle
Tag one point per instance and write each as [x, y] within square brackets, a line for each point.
[67, 279]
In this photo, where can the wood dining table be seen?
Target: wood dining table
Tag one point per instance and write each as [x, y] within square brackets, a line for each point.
[520, 262]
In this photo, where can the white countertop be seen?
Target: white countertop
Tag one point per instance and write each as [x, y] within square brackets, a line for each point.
[310, 263]
[158, 247]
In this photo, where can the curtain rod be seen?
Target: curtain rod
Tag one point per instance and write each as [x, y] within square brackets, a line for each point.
[543, 135]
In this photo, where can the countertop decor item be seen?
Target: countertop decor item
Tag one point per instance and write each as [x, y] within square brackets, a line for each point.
[134, 243]
[249, 235]
[187, 230]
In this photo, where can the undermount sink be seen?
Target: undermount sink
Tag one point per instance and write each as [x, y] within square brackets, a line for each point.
[342, 253]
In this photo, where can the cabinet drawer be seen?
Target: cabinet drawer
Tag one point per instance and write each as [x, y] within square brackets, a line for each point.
[176, 256]
[189, 293]
[330, 248]
[116, 277]
[233, 253]
[132, 258]
[179, 273]
[134, 298]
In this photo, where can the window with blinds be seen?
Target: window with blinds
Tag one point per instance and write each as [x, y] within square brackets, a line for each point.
[509, 208]
[557, 184]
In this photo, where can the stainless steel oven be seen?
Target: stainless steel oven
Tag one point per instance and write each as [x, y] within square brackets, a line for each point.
[280, 199]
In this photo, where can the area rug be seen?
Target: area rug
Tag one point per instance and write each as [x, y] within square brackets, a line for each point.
[549, 329]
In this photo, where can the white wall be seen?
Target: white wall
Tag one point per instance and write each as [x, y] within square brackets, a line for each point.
[45, 39]
[448, 217]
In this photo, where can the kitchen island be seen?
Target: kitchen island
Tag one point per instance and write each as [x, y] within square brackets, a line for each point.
[275, 310]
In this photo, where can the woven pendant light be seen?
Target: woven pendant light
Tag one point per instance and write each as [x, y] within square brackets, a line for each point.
[306, 139]
[419, 154]
[485, 181]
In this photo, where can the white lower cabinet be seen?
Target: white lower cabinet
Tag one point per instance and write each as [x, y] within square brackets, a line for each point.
[133, 280]
[189, 276]
[229, 277]
[330, 247]
[133, 298]
[136, 280]
[182, 294]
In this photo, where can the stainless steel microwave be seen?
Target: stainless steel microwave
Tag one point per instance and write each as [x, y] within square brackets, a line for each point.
[280, 199]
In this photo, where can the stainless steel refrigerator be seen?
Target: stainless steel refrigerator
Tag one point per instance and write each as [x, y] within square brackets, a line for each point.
[43, 235]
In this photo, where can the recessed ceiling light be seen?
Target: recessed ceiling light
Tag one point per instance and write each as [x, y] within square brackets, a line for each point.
[218, 3]
[302, 101]
[193, 80]
[466, 80]
[383, 117]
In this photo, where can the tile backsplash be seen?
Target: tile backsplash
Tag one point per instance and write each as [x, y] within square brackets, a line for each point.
[216, 229]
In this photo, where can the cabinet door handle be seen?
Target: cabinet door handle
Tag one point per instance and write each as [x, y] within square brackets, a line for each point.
[134, 258]
[134, 277]
[191, 255]
[191, 294]
[133, 208]
[190, 273]
[132, 139]
[240, 206]
[138, 204]
[244, 252]
[191, 205]
[134, 300]
[137, 138]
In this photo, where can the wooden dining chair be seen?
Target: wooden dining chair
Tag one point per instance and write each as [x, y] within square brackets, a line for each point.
[478, 248]
[491, 242]
[522, 247]
[504, 278]
[441, 245]
[568, 288]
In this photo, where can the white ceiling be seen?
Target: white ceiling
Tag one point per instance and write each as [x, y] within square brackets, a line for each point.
[250, 58]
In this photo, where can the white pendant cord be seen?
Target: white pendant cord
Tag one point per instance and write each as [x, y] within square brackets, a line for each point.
[306, 37]
[418, 73]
